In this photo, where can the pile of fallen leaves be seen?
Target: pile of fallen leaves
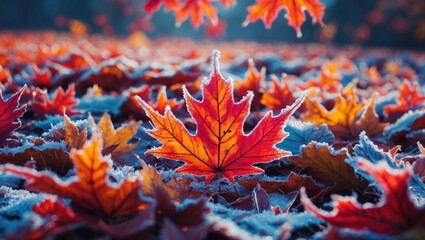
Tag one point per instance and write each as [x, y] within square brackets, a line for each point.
[156, 139]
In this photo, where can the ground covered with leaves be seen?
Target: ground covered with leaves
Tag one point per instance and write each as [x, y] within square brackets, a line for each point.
[170, 139]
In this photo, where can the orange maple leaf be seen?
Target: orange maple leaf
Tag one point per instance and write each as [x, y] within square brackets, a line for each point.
[162, 101]
[254, 81]
[91, 189]
[178, 189]
[62, 101]
[117, 139]
[369, 121]
[279, 96]
[73, 137]
[196, 10]
[348, 118]
[409, 98]
[219, 147]
[267, 11]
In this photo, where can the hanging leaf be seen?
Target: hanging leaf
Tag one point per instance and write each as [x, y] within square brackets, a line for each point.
[268, 10]
[196, 10]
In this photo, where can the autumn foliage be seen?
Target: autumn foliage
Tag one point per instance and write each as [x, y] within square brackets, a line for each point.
[263, 141]
[265, 10]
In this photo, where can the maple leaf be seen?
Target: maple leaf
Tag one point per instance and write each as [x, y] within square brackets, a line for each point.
[279, 96]
[215, 31]
[369, 121]
[117, 139]
[152, 6]
[90, 190]
[38, 77]
[254, 81]
[61, 102]
[328, 166]
[162, 101]
[409, 99]
[73, 137]
[219, 147]
[9, 113]
[196, 10]
[55, 215]
[267, 11]
[348, 118]
[328, 80]
[393, 215]
[177, 189]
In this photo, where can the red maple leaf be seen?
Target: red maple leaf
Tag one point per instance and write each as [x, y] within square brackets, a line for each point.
[213, 31]
[9, 113]
[152, 6]
[267, 11]
[196, 10]
[38, 77]
[62, 102]
[219, 147]
[278, 96]
[409, 98]
[393, 215]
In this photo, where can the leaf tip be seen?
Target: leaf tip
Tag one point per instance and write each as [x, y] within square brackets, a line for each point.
[215, 59]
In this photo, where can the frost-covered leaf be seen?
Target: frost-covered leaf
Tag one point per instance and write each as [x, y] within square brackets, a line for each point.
[47, 155]
[348, 117]
[253, 81]
[393, 215]
[409, 122]
[178, 189]
[279, 96]
[117, 139]
[62, 102]
[328, 166]
[302, 133]
[409, 98]
[90, 186]
[219, 147]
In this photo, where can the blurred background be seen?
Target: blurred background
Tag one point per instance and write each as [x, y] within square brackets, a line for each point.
[384, 23]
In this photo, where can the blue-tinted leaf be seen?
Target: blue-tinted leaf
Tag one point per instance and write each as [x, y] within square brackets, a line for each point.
[302, 133]
[405, 123]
